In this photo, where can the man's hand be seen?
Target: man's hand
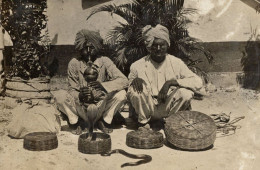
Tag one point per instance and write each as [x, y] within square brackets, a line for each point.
[85, 92]
[98, 95]
[137, 84]
[164, 90]
[97, 85]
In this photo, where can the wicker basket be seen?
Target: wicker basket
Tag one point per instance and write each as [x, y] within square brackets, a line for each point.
[190, 130]
[144, 139]
[40, 141]
[101, 143]
[37, 89]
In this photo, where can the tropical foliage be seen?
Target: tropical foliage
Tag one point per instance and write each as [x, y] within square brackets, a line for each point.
[126, 39]
[24, 20]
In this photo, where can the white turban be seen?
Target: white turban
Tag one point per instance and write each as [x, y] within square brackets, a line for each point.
[149, 33]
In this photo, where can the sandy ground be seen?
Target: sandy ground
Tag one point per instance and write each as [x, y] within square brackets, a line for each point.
[239, 151]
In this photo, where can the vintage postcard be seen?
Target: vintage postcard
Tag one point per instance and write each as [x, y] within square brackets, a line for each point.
[130, 84]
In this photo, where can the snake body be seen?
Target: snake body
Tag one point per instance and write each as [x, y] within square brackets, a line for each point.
[145, 158]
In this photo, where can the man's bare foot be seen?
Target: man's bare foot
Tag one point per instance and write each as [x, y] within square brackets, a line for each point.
[77, 131]
[143, 126]
[104, 127]
[90, 136]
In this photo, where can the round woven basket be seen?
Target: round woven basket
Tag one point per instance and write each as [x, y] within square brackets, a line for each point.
[190, 130]
[37, 89]
[40, 141]
[144, 139]
[100, 143]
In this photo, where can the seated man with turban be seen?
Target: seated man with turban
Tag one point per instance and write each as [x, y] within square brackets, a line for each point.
[110, 79]
[160, 84]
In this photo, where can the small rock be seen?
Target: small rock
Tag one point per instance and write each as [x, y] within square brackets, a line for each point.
[210, 88]
[230, 89]
[52, 163]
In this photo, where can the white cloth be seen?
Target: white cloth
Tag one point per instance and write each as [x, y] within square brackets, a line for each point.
[155, 75]
[107, 108]
[39, 118]
[147, 107]
[171, 68]
[111, 79]
[159, 70]
[109, 75]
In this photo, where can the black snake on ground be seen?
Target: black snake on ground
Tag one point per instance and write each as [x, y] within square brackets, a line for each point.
[145, 158]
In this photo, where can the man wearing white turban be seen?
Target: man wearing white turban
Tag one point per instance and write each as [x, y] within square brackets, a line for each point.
[159, 83]
[89, 44]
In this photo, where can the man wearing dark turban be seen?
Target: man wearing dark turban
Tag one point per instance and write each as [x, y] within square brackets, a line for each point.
[160, 84]
[89, 44]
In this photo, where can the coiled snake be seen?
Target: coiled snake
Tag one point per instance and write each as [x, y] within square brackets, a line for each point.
[145, 158]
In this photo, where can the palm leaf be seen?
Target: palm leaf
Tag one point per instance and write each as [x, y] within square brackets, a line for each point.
[174, 5]
[120, 34]
[200, 72]
[124, 10]
[120, 58]
[187, 11]
[126, 39]
[134, 53]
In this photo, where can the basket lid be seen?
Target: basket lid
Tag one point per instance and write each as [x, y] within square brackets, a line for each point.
[190, 124]
[38, 136]
[145, 133]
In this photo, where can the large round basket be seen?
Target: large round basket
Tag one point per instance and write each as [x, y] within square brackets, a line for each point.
[190, 130]
[100, 143]
[34, 89]
[144, 139]
[40, 141]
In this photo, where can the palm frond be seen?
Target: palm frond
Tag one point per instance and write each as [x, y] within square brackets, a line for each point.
[120, 58]
[134, 53]
[193, 45]
[174, 5]
[187, 11]
[124, 10]
[119, 34]
[126, 39]
[126, 34]
[108, 8]
[194, 62]
[201, 73]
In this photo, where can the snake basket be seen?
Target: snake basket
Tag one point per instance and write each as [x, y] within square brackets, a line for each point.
[190, 130]
[144, 139]
[40, 141]
[100, 143]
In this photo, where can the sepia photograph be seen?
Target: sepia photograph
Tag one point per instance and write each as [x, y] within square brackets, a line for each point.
[130, 84]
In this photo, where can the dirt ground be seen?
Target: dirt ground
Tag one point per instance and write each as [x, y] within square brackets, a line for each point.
[239, 151]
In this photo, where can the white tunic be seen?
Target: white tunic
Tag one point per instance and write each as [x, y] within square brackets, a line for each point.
[155, 75]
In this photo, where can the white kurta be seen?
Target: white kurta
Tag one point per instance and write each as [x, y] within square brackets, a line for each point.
[155, 75]
[111, 79]
[171, 68]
